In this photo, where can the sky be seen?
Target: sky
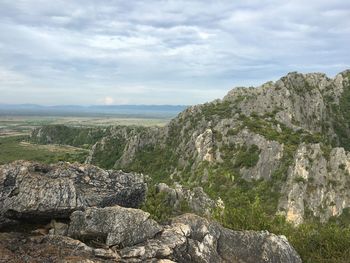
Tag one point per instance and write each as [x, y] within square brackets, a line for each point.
[186, 52]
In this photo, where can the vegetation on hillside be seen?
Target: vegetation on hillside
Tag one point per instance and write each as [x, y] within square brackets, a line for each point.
[17, 148]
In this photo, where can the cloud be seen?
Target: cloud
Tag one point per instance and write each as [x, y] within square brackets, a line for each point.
[107, 101]
[178, 52]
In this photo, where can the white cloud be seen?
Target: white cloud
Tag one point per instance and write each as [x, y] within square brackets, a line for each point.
[107, 101]
[146, 52]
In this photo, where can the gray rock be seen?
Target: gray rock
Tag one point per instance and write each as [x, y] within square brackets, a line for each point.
[116, 226]
[58, 228]
[34, 191]
[251, 247]
[190, 238]
[316, 183]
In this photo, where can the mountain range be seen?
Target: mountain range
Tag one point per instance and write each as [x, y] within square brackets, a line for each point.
[143, 111]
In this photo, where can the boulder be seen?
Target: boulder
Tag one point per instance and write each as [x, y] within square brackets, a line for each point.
[34, 191]
[114, 226]
[190, 238]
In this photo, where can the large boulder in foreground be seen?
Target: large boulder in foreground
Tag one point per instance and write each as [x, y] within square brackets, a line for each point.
[116, 226]
[34, 191]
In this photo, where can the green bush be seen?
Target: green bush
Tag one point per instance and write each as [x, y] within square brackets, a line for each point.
[247, 156]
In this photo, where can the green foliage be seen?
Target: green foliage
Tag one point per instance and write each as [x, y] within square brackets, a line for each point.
[111, 151]
[157, 205]
[326, 149]
[61, 134]
[318, 243]
[299, 179]
[342, 166]
[341, 117]
[342, 220]
[232, 132]
[155, 161]
[315, 242]
[220, 108]
[247, 156]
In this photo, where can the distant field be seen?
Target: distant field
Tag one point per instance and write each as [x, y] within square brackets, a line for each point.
[17, 148]
[22, 125]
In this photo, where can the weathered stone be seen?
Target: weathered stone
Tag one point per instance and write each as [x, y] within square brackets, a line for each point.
[317, 184]
[116, 226]
[33, 191]
[190, 238]
[58, 228]
[106, 254]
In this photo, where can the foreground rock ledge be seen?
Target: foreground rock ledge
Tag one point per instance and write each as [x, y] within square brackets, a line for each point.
[187, 238]
[34, 191]
[190, 238]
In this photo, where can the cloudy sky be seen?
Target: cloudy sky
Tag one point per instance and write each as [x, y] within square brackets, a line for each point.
[162, 52]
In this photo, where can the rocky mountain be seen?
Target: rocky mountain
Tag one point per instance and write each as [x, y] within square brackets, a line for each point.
[290, 137]
[81, 213]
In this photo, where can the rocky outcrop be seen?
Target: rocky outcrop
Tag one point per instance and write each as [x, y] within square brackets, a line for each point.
[32, 191]
[190, 238]
[116, 226]
[187, 238]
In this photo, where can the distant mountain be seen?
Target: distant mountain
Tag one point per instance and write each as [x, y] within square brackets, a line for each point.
[142, 111]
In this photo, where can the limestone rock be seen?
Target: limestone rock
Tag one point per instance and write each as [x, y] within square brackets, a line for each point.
[116, 226]
[34, 191]
[316, 183]
[190, 238]
[58, 228]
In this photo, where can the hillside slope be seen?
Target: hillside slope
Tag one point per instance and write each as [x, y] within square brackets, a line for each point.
[285, 142]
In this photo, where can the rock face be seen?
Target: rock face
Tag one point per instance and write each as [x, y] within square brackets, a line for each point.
[116, 226]
[317, 184]
[31, 191]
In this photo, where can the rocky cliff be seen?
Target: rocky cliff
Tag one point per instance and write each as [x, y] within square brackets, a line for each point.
[81, 213]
